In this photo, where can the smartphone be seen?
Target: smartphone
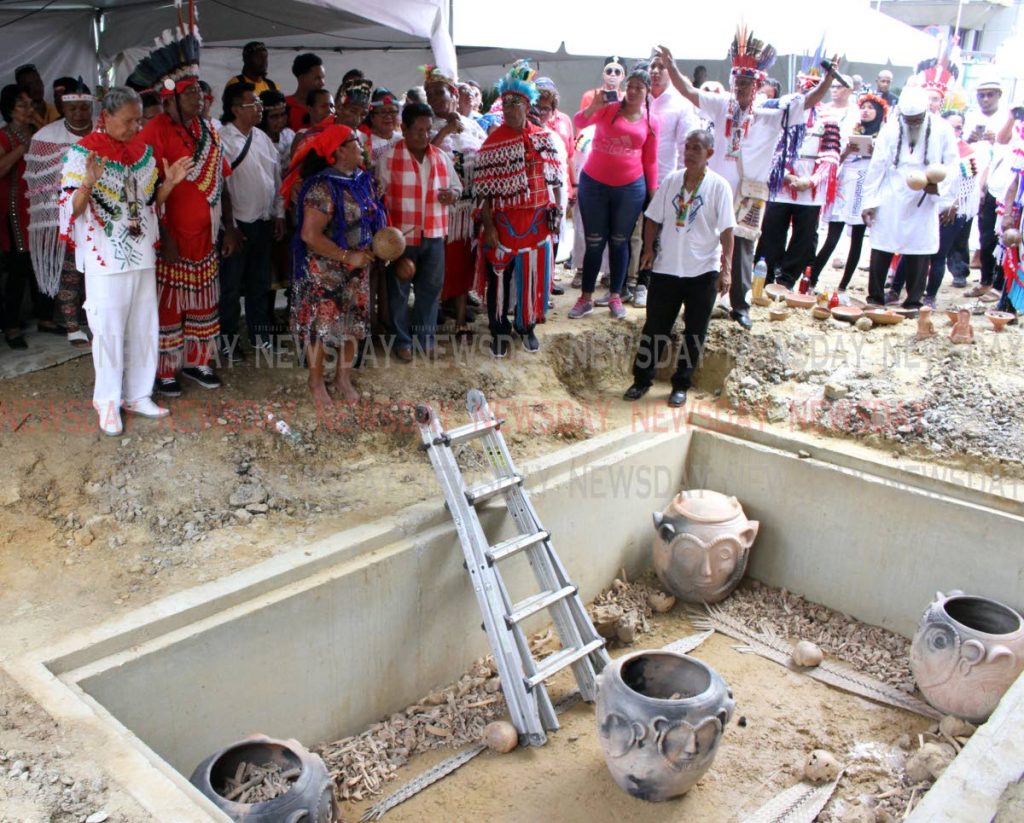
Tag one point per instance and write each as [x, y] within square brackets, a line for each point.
[862, 143]
[1018, 112]
[611, 96]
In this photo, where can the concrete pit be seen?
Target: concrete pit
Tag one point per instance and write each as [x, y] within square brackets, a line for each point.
[320, 642]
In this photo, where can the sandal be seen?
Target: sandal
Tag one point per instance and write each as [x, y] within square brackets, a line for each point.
[79, 339]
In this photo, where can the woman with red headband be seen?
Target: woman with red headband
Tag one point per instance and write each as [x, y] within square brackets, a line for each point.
[338, 211]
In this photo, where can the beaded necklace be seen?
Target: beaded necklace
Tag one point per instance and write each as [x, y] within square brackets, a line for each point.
[737, 125]
[682, 203]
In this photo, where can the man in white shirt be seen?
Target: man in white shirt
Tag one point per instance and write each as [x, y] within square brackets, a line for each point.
[745, 140]
[254, 186]
[981, 126]
[688, 245]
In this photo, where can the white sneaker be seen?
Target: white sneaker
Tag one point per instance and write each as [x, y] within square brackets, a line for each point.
[110, 419]
[146, 408]
[640, 297]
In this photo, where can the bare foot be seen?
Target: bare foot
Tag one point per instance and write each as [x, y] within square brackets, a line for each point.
[345, 391]
[320, 396]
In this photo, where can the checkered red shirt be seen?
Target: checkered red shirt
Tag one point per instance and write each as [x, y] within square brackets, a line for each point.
[401, 185]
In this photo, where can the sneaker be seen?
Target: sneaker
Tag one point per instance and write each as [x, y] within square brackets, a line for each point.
[231, 354]
[167, 386]
[616, 308]
[582, 308]
[146, 408]
[891, 298]
[530, 342]
[109, 420]
[640, 297]
[959, 283]
[602, 301]
[203, 375]
[577, 280]
[556, 289]
[928, 301]
[499, 346]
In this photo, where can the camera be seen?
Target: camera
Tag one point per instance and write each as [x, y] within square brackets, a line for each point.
[611, 96]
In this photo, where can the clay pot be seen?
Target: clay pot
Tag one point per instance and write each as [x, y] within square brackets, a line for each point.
[916, 180]
[776, 291]
[882, 317]
[778, 314]
[925, 326]
[953, 315]
[388, 244]
[800, 301]
[761, 300]
[701, 545]
[660, 717]
[999, 319]
[966, 653]
[821, 313]
[405, 269]
[848, 314]
[310, 798]
[935, 173]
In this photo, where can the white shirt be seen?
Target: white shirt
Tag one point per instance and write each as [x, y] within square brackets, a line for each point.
[284, 148]
[468, 141]
[758, 146]
[255, 184]
[901, 225]
[676, 117]
[696, 248]
[804, 164]
[990, 156]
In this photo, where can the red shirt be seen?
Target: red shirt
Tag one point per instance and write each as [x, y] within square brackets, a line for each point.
[187, 211]
[13, 188]
[296, 113]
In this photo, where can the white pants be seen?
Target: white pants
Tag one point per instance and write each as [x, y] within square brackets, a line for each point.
[122, 312]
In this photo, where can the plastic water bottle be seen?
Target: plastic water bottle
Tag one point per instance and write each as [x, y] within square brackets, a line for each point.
[760, 275]
[284, 429]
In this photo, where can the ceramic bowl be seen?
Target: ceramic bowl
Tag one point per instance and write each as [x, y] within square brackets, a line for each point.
[800, 301]
[821, 313]
[778, 314]
[761, 300]
[999, 319]
[881, 317]
[776, 291]
[850, 314]
[952, 314]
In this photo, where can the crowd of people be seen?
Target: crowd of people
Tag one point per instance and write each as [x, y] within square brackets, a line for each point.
[156, 222]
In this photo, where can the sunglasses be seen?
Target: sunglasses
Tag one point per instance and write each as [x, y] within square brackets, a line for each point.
[256, 105]
[613, 71]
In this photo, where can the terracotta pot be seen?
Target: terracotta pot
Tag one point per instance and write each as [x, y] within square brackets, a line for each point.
[848, 314]
[953, 315]
[820, 313]
[800, 301]
[388, 244]
[761, 300]
[660, 718]
[310, 798]
[776, 291]
[701, 545]
[966, 653]
[778, 314]
[881, 317]
[999, 319]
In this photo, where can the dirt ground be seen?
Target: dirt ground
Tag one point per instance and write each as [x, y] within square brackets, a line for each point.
[91, 527]
[785, 715]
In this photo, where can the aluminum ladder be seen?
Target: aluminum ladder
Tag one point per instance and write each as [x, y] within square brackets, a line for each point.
[522, 677]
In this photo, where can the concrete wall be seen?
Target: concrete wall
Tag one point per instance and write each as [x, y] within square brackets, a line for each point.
[870, 547]
[325, 656]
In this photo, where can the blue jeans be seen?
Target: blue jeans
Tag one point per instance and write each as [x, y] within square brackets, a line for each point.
[421, 322]
[947, 237]
[609, 215]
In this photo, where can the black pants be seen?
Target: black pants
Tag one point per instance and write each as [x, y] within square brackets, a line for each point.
[498, 322]
[916, 268]
[835, 231]
[959, 258]
[18, 268]
[247, 274]
[991, 274]
[667, 294]
[788, 261]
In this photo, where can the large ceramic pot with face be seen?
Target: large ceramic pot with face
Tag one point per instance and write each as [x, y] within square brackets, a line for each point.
[966, 653]
[701, 545]
[660, 718]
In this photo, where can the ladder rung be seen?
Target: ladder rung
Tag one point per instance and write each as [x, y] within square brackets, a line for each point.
[468, 432]
[559, 660]
[477, 494]
[499, 551]
[537, 603]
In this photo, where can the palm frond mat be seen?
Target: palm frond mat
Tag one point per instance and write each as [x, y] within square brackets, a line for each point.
[446, 767]
[767, 644]
[801, 803]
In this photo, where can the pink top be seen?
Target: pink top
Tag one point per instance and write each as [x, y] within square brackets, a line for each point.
[621, 151]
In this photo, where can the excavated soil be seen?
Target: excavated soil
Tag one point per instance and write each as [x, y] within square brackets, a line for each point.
[91, 527]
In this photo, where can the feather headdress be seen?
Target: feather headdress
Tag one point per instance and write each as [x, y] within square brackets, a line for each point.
[434, 74]
[519, 80]
[750, 57]
[939, 73]
[175, 60]
[810, 67]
